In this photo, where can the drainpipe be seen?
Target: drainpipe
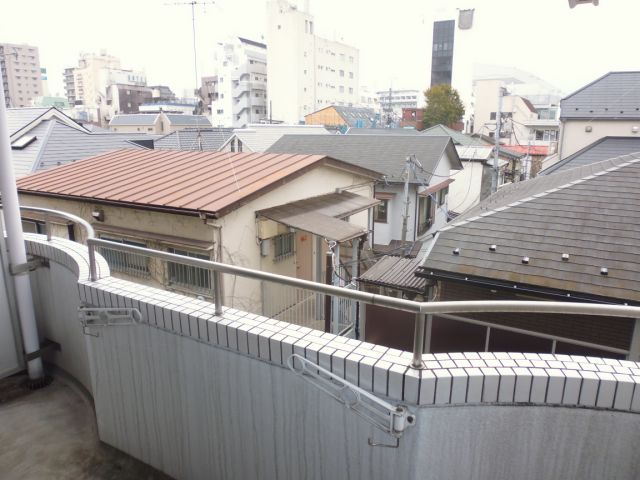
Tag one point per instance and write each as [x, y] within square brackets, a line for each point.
[17, 252]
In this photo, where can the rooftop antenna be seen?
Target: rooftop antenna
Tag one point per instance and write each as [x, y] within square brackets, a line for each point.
[193, 4]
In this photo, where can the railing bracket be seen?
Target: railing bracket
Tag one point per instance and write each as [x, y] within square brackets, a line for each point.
[44, 346]
[31, 265]
[107, 317]
[391, 419]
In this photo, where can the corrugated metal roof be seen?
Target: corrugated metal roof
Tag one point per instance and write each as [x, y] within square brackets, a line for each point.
[588, 212]
[210, 182]
[397, 273]
[606, 147]
[320, 215]
[615, 95]
[187, 139]
[141, 119]
[191, 120]
[383, 153]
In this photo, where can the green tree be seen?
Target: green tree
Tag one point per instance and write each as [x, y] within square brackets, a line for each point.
[443, 106]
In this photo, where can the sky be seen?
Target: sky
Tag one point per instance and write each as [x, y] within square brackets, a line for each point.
[566, 47]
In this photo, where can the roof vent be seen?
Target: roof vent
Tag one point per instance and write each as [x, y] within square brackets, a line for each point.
[588, 128]
[634, 129]
[493, 248]
[604, 271]
[456, 251]
[525, 260]
[565, 257]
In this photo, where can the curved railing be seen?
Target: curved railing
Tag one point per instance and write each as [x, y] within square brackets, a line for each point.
[420, 309]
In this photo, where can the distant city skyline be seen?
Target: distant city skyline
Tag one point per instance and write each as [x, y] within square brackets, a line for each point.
[566, 47]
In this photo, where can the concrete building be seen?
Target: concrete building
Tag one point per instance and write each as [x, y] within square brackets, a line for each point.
[91, 79]
[239, 88]
[391, 102]
[126, 99]
[21, 77]
[306, 72]
[156, 123]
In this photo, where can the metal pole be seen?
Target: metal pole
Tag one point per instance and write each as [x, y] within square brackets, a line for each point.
[217, 292]
[418, 340]
[17, 251]
[93, 274]
[496, 161]
[634, 348]
[405, 217]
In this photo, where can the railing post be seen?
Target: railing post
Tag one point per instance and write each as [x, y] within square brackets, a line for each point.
[217, 292]
[418, 340]
[93, 274]
[634, 348]
[47, 226]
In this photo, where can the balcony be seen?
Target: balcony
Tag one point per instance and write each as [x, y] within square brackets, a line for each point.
[205, 390]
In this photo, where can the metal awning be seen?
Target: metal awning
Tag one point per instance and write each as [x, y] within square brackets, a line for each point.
[321, 215]
[397, 273]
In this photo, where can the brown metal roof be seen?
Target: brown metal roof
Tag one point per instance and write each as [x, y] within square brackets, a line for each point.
[396, 272]
[209, 182]
[321, 215]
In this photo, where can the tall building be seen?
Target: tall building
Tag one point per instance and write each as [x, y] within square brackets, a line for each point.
[238, 91]
[86, 85]
[306, 72]
[20, 67]
[442, 52]
[393, 101]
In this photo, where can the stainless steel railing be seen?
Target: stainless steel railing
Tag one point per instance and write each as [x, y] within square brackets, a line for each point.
[420, 309]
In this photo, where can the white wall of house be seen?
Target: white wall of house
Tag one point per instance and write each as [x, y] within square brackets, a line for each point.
[573, 134]
[306, 72]
[465, 191]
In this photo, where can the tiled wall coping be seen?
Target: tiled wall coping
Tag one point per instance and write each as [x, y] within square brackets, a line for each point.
[449, 378]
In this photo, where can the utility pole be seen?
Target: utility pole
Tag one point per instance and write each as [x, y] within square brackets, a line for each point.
[496, 151]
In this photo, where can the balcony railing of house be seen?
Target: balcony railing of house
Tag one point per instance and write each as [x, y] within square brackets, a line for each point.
[307, 295]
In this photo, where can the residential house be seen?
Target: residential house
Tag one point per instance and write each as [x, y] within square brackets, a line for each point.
[568, 236]
[606, 147]
[608, 106]
[259, 137]
[156, 123]
[194, 139]
[53, 143]
[20, 121]
[272, 212]
[428, 161]
[337, 117]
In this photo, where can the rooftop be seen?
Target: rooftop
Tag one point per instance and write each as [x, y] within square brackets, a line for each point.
[142, 119]
[383, 153]
[177, 181]
[587, 213]
[187, 139]
[258, 138]
[614, 96]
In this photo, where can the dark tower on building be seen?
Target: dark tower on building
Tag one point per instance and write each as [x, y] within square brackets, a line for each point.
[442, 52]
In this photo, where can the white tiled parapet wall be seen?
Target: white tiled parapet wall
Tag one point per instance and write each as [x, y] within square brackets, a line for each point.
[448, 379]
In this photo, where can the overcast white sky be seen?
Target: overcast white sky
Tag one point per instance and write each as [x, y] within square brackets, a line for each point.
[566, 47]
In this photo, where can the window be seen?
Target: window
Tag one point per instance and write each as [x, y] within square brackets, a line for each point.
[380, 212]
[350, 90]
[342, 73]
[350, 59]
[233, 144]
[283, 246]
[341, 89]
[239, 145]
[426, 214]
[129, 263]
[188, 276]
[492, 116]
[220, 111]
[350, 74]
[442, 196]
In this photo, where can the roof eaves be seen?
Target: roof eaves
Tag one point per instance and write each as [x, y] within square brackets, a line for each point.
[45, 140]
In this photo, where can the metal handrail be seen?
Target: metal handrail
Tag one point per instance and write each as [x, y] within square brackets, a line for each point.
[420, 309]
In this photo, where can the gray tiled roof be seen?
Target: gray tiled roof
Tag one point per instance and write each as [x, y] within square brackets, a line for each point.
[614, 96]
[589, 212]
[606, 147]
[134, 119]
[458, 137]
[383, 153]
[382, 131]
[57, 144]
[19, 117]
[355, 115]
[191, 120]
[187, 139]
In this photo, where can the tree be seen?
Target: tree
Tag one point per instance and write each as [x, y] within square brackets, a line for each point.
[443, 106]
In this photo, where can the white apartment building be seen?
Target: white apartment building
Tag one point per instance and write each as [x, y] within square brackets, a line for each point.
[396, 100]
[306, 72]
[91, 78]
[239, 95]
[20, 71]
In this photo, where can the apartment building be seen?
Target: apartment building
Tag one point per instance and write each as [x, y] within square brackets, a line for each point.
[91, 79]
[393, 101]
[306, 72]
[239, 88]
[21, 78]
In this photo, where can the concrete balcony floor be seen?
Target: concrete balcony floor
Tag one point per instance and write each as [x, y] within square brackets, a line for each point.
[51, 433]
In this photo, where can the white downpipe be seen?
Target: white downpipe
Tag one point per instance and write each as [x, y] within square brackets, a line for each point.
[15, 244]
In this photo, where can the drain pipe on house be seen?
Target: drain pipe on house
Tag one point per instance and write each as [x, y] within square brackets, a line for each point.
[17, 251]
